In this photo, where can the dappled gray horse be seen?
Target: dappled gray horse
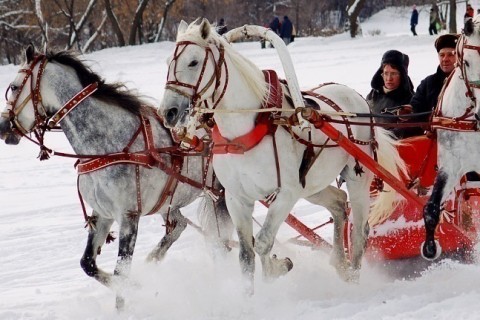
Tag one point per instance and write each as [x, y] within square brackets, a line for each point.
[128, 166]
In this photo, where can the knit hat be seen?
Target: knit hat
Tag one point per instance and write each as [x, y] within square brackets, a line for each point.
[446, 41]
[400, 61]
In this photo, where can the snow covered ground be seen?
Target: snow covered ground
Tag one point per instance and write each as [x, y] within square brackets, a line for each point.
[42, 236]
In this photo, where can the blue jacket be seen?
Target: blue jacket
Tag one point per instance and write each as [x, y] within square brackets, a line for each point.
[286, 28]
[275, 25]
[414, 18]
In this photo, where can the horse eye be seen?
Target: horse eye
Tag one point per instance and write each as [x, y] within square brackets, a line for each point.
[13, 87]
[193, 63]
[466, 63]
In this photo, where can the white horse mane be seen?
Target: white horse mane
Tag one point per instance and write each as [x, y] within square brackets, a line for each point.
[248, 71]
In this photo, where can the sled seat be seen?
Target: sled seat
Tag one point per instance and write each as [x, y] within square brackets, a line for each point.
[420, 155]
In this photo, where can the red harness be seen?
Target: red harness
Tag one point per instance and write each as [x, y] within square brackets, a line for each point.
[149, 158]
[263, 123]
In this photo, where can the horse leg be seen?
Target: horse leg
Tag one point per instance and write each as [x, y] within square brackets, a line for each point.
[96, 238]
[241, 214]
[335, 201]
[443, 185]
[127, 239]
[264, 240]
[176, 223]
[359, 193]
[216, 224]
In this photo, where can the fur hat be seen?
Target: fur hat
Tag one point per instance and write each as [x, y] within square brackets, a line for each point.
[448, 40]
[397, 59]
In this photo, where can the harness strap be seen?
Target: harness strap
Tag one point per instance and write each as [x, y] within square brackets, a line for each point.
[337, 108]
[145, 159]
[72, 103]
[114, 158]
[263, 123]
[453, 124]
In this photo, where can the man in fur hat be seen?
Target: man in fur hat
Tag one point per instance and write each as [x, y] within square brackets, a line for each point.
[426, 96]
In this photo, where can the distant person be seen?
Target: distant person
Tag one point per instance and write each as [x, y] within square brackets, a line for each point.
[469, 12]
[432, 28]
[275, 25]
[414, 20]
[294, 34]
[426, 97]
[391, 88]
[286, 30]
[221, 27]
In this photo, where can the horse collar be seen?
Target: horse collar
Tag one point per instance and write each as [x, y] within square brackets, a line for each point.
[263, 123]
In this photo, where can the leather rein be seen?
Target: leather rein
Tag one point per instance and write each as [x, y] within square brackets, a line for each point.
[149, 158]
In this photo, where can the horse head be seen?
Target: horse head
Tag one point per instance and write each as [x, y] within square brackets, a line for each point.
[468, 51]
[194, 76]
[23, 104]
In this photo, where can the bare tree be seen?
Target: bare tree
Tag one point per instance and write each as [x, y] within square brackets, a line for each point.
[95, 24]
[75, 28]
[95, 34]
[41, 21]
[114, 22]
[452, 24]
[161, 25]
[353, 10]
[137, 22]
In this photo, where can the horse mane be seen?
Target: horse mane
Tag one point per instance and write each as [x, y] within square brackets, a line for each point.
[247, 69]
[115, 93]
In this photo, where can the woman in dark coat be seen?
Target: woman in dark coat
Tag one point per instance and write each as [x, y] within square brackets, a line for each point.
[391, 88]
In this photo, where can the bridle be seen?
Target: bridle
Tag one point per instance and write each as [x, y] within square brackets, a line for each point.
[42, 121]
[16, 106]
[196, 93]
[469, 120]
[469, 84]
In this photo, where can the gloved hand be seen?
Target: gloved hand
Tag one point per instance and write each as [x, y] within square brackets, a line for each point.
[399, 111]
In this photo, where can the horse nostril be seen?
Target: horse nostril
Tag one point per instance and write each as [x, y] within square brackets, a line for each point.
[171, 114]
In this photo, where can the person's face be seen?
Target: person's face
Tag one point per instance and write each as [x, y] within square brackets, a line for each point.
[447, 58]
[391, 77]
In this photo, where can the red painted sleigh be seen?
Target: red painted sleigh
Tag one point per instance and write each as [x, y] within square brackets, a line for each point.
[402, 235]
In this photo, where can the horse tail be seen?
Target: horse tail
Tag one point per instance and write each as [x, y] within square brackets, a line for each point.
[215, 221]
[389, 158]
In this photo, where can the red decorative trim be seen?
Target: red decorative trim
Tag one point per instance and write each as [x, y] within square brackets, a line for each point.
[453, 124]
[263, 123]
[72, 103]
[115, 158]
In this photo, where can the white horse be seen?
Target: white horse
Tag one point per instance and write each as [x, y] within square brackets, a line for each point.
[206, 70]
[456, 123]
[127, 155]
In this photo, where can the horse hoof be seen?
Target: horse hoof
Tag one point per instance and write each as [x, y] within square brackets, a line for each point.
[289, 264]
[431, 250]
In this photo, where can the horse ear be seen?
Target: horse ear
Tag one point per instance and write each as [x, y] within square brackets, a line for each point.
[182, 27]
[29, 53]
[205, 28]
[468, 28]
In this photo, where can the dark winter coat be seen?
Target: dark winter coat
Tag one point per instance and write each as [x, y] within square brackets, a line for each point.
[275, 25]
[426, 97]
[286, 28]
[380, 101]
[414, 18]
[221, 27]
